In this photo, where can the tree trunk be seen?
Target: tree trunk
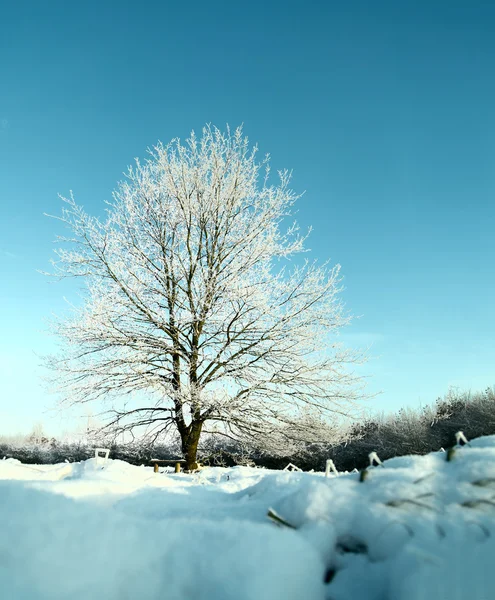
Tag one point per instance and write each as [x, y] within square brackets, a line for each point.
[190, 440]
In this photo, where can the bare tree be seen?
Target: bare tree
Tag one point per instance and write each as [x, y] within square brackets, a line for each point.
[188, 298]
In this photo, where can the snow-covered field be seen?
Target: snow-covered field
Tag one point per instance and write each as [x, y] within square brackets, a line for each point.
[418, 528]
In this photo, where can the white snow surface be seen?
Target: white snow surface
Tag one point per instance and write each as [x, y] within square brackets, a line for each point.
[418, 528]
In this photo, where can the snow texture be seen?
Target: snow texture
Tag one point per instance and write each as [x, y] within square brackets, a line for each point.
[416, 528]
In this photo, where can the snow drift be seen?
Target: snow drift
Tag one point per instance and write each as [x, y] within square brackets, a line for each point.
[418, 527]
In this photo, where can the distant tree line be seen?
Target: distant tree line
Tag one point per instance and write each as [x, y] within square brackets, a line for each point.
[406, 432]
[409, 431]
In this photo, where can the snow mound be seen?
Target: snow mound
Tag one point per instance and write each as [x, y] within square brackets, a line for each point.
[53, 547]
[417, 527]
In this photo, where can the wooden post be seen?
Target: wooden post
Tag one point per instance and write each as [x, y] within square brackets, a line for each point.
[155, 469]
[177, 467]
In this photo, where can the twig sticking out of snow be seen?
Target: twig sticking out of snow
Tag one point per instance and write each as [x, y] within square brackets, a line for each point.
[426, 495]
[330, 466]
[440, 530]
[349, 544]
[373, 456]
[291, 467]
[460, 437]
[477, 503]
[407, 501]
[276, 518]
[484, 529]
[484, 482]
[421, 479]
[450, 454]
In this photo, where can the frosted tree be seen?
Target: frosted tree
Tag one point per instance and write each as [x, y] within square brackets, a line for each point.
[192, 302]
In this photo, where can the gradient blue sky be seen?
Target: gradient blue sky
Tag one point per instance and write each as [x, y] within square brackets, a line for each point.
[384, 110]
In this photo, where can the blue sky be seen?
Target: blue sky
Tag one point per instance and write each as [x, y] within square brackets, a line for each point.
[384, 110]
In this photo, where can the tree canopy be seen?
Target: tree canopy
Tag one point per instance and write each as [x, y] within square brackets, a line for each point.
[196, 298]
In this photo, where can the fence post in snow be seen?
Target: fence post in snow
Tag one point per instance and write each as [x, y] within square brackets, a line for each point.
[97, 453]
